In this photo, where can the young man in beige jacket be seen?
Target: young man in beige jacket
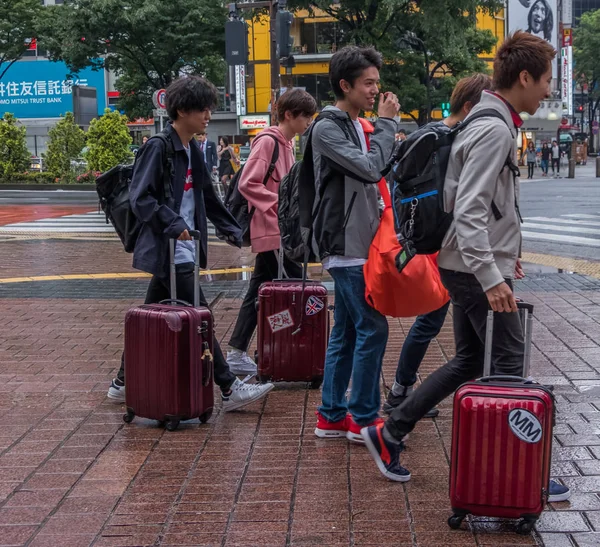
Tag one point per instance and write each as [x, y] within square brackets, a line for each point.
[480, 253]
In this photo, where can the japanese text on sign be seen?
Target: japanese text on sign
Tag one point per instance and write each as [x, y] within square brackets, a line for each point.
[37, 92]
[280, 321]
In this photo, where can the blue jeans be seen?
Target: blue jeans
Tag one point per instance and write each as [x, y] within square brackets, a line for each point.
[355, 349]
[544, 165]
[424, 330]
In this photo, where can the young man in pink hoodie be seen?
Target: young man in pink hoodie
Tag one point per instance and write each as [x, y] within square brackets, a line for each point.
[295, 110]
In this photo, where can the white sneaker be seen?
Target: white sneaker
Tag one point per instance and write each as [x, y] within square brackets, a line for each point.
[243, 394]
[240, 363]
[116, 391]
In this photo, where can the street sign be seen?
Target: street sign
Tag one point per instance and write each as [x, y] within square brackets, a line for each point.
[240, 90]
[595, 130]
[160, 113]
[595, 123]
[159, 99]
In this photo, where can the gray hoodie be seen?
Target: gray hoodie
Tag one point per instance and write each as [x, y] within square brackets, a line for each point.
[346, 211]
[476, 242]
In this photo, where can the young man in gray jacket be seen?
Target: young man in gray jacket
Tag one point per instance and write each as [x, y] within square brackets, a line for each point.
[346, 216]
[480, 253]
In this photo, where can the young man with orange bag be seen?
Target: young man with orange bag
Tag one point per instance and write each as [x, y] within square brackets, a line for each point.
[346, 217]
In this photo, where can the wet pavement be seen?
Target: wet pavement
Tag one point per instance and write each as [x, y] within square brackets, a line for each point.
[73, 474]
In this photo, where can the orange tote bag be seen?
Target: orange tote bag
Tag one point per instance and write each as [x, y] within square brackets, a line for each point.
[415, 291]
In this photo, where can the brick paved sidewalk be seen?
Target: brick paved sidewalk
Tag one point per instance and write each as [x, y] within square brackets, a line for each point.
[72, 474]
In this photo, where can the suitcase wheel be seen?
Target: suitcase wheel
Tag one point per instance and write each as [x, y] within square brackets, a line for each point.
[525, 527]
[205, 417]
[129, 416]
[455, 521]
[172, 425]
[316, 383]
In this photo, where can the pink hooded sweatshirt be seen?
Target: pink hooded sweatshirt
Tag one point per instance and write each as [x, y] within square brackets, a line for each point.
[264, 227]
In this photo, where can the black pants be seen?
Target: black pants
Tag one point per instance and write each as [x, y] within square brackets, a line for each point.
[556, 165]
[470, 318]
[530, 169]
[265, 269]
[159, 289]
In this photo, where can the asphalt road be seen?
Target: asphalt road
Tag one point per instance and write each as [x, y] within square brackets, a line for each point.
[48, 197]
[562, 216]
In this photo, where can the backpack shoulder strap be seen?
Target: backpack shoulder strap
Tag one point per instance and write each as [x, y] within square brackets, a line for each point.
[327, 115]
[274, 159]
[169, 167]
[484, 113]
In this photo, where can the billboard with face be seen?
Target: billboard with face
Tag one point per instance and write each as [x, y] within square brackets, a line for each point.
[538, 17]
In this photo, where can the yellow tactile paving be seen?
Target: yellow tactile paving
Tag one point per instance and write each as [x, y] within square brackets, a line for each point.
[127, 275]
[585, 267]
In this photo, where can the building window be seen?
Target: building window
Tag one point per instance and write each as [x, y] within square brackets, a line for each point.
[316, 85]
[318, 37]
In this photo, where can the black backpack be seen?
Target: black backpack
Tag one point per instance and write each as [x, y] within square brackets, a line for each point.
[418, 194]
[113, 191]
[297, 194]
[237, 204]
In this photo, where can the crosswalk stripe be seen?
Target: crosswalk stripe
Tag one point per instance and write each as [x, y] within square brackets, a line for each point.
[583, 216]
[574, 240]
[564, 229]
[563, 221]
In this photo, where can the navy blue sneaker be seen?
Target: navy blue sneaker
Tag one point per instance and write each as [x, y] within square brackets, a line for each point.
[385, 454]
[558, 492]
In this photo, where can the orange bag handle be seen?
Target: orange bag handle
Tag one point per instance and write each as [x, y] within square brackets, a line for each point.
[382, 184]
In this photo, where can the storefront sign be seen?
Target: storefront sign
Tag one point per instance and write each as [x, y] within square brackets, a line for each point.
[567, 80]
[240, 90]
[567, 37]
[255, 122]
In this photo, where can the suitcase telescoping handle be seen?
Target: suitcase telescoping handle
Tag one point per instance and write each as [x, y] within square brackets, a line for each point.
[525, 311]
[195, 235]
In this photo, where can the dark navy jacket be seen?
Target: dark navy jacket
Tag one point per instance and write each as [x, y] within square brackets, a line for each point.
[160, 220]
[212, 160]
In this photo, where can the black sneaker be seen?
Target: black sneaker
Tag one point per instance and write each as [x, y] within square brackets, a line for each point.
[386, 454]
[394, 401]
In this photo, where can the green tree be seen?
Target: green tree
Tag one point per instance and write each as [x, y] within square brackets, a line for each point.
[66, 143]
[427, 44]
[147, 42]
[14, 156]
[17, 27]
[108, 141]
[586, 44]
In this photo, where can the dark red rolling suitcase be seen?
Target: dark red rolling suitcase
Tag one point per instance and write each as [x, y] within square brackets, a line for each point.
[168, 358]
[293, 331]
[501, 443]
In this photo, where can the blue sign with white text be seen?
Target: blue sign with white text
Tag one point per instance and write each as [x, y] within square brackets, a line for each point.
[41, 89]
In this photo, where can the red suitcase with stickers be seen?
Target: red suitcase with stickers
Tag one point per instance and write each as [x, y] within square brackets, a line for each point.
[168, 357]
[501, 443]
[293, 330]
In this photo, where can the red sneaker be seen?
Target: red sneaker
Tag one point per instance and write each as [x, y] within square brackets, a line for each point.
[331, 430]
[353, 433]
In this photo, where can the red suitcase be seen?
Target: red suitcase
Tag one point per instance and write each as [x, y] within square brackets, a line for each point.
[293, 331]
[168, 357]
[501, 443]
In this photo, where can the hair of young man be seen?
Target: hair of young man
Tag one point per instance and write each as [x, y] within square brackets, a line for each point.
[401, 132]
[189, 94]
[468, 90]
[521, 51]
[349, 63]
[548, 20]
[297, 102]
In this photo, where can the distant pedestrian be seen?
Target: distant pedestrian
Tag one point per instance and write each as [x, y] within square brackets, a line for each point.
[531, 159]
[209, 151]
[546, 155]
[227, 158]
[555, 159]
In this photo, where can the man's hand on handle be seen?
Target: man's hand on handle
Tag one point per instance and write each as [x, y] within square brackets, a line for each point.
[185, 236]
[501, 298]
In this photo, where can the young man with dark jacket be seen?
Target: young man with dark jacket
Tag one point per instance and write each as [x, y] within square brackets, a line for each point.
[189, 104]
[480, 253]
[346, 217]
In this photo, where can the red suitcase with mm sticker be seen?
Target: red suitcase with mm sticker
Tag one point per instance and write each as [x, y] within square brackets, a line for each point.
[293, 330]
[501, 443]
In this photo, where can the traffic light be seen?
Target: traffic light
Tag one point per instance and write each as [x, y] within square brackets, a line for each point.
[284, 39]
[580, 108]
[236, 42]
[445, 110]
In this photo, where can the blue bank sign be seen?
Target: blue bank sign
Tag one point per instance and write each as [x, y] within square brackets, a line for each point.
[42, 89]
